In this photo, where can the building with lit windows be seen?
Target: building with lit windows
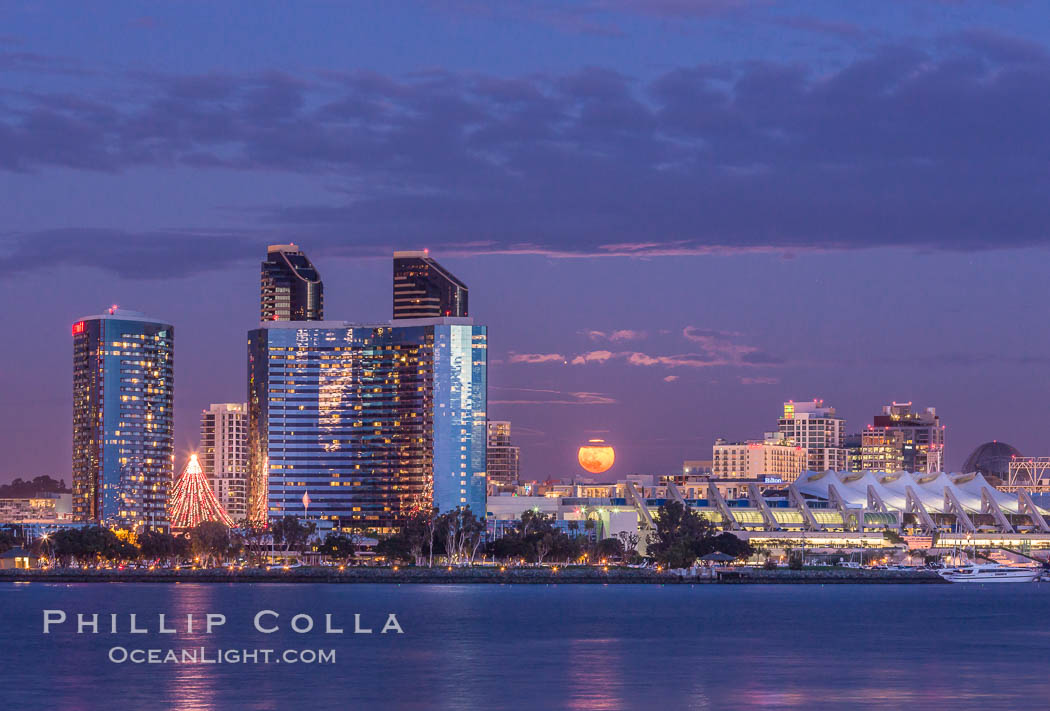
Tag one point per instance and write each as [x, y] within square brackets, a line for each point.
[901, 439]
[772, 457]
[290, 288]
[503, 459]
[224, 455]
[854, 458]
[818, 430]
[360, 425]
[425, 289]
[123, 439]
[826, 509]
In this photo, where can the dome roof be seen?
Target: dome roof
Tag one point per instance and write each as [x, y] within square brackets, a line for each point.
[991, 458]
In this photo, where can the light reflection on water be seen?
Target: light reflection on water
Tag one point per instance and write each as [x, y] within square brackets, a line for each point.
[588, 648]
[595, 674]
[192, 687]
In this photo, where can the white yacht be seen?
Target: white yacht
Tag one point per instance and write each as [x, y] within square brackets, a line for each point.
[989, 573]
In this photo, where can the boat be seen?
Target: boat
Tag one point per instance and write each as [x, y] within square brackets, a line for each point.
[989, 573]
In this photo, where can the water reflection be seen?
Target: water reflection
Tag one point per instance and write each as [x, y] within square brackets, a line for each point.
[192, 687]
[587, 648]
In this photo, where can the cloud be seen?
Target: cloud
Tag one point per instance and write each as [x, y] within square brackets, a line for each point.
[592, 357]
[536, 358]
[723, 345]
[715, 349]
[556, 397]
[929, 146]
[670, 378]
[623, 334]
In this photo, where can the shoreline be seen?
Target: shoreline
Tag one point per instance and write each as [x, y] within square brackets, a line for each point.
[476, 575]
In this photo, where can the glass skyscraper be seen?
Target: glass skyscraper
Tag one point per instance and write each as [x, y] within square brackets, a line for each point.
[290, 288]
[123, 442]
[425, 289]
[359, 425]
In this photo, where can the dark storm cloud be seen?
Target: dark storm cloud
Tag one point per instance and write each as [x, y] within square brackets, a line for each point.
[942, 149]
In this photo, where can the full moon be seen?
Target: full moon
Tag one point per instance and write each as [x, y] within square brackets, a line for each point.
[596, 456]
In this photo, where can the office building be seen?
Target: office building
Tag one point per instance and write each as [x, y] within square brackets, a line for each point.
[224, 455]
[503, 460]
[360, 425]
[818, 430]
[425, 289]
[123, 440]
[772, 458]
[290, 288]
[901, 439]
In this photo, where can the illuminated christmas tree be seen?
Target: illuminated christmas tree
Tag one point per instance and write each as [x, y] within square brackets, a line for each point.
[192, 500]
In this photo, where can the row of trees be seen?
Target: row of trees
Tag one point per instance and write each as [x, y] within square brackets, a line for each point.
[680, 536]
[210, 542]
[456, 534]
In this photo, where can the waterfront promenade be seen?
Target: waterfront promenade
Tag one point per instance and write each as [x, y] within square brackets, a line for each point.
[478, 574]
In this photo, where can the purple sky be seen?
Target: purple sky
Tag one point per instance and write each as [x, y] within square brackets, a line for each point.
[673, 214]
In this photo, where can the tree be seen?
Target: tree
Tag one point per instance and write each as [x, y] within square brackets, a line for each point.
[256, 538]
[397, 547]
[292, 533]
[535, 538]
[417, 535]
[210, 540]
[681, 535]
[91, 544]
[588, 525]
[461, 533]
[339, 547]
[608, 548]
[727, 543]
[629, 540]
[7, 540]
[157, 545]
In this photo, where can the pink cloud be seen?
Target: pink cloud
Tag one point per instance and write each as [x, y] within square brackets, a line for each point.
[536, 357]
[592, 357]
[623, 334]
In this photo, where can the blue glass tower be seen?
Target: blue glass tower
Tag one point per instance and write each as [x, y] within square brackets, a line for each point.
[359, 425]
[123, 441]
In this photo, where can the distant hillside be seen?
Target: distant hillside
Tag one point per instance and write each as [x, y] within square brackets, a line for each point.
[21, 489]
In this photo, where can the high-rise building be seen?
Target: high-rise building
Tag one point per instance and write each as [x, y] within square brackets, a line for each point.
[425, 289]
[503, 460]
[772, 457]
[854, 452]
[819, 431]
[360, 425]
[123, 439]
[224, 455]
[290, 288]
[901, 439]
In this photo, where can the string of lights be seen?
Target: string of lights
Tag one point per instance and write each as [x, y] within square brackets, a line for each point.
[192, 501]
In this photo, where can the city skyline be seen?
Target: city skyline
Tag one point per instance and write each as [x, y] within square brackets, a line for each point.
[672, 218]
